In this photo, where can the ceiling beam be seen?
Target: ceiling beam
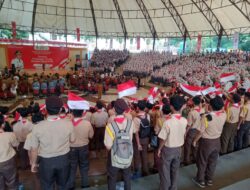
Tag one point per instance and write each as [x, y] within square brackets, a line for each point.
[147, 17]
[93, 16]
[176, 16]
[212, 19]
[34, 17]
[243, 6]
[124, 29]
[1, 4]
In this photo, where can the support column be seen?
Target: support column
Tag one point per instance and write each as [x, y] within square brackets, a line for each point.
[184, 42]
[154, 43]
[219, 40]
[125, 42]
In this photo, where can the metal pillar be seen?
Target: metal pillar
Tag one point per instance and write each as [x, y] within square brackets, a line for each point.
[154, 43]
[184, 42]
[219, 40]
[94, 20]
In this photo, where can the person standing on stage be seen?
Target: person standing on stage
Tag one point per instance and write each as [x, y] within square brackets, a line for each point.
[209, 142]
[52, 137]
[17, 62]
[171, 138]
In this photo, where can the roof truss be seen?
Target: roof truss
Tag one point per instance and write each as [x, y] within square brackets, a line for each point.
[117, 6]
[243, 6]
[176, 16]
[147, 17]
[93, 16]
[1, 4]
[210, 16]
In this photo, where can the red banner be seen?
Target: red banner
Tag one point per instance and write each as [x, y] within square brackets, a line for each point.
[138, 40]
[13, 25]
[199, 43]
[78, 35]
[39, 57]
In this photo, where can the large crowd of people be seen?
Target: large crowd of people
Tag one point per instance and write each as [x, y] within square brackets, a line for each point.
[200, 69]
[145, 63]
[54, 139]
[109, 58]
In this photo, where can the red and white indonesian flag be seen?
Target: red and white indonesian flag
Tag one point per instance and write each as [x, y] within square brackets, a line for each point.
[191, 90]
[225, 77]
[76, 102]
[153, 92]
[208, 90]
[126, 89]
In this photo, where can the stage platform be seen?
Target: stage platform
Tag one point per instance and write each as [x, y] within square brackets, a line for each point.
[232, 173]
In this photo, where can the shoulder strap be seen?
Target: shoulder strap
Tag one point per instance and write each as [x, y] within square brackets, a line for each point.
[115, 127]
[128, 127]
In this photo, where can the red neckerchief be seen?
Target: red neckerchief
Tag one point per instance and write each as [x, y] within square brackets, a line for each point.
[24, 121]
[53, 119]
[236, 105]
[177, 116]
[217, 113]
[76, 121]
[198, 109]
[84, 114]
[168, 117]
[119, 119]
[99, 111]
[63, 116]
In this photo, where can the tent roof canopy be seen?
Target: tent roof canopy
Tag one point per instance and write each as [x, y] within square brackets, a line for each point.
[130, 18]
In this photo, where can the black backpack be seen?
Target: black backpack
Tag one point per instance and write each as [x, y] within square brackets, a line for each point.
[145, 128]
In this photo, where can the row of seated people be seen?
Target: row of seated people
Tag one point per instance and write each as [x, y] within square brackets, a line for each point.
[90, 82]
[109, 58]
[198, 69]
[145, 63]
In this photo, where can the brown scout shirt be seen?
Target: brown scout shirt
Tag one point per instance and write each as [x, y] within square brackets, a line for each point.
[53, 136]
[233, 113]
[99, 119]
[213, 129]
[194, 118]
[7, 142]
[245, 112]
[21, 129]
[173, 131]
[83, 132]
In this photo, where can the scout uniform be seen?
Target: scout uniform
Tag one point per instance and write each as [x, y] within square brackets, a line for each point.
[52, 137]
[112, 172]
[209, 145]
[87, 116]
[194, 122]
[243, 132]
[141, 157]
[18, 63]
[172, 133]
[8, 171]
[36, 88]
[21, 129]
[230, 128]
[99, 120]
[79, 151]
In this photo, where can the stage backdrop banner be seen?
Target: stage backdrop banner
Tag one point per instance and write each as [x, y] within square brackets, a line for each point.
[35, 57]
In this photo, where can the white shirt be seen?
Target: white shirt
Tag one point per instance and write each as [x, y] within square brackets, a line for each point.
[18, 63]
